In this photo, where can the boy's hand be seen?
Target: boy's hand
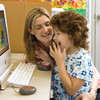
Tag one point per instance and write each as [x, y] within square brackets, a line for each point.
[56, 53]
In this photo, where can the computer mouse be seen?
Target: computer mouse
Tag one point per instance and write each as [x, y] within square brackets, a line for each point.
[44, 66]
[27, 90]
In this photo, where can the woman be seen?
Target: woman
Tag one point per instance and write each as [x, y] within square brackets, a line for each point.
[38, 36]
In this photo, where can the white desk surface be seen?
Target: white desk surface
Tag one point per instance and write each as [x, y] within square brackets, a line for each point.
[41, 80]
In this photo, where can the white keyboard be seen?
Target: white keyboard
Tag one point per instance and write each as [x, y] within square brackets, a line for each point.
[21, 76]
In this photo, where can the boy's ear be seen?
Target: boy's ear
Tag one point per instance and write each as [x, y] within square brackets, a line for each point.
[30, 31]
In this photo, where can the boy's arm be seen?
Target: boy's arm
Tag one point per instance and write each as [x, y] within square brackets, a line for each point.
[71, 85]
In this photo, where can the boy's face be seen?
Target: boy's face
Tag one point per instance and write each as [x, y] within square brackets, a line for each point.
[43, 30]
[62, 39]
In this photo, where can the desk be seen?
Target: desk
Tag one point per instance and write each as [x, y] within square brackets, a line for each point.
[41, 80]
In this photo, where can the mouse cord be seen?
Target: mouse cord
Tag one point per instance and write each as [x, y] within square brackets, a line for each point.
[4, 88]
[15, 89]
[7, 87]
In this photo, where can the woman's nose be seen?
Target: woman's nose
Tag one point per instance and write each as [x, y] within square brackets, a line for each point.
[45, 29]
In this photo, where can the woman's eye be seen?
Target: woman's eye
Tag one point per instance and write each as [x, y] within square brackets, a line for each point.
[38, 27]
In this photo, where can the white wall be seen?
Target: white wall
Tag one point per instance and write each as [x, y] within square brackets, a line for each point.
[93, 30]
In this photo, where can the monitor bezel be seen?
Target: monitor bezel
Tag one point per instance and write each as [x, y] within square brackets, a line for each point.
[5, 58]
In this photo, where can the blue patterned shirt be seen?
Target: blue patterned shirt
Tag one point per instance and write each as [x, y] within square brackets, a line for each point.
[78, 65]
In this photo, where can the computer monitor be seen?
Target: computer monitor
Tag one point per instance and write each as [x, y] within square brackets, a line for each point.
[5, 53]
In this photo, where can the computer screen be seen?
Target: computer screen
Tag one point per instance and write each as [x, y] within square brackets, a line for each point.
[4, 45]
[5, 53]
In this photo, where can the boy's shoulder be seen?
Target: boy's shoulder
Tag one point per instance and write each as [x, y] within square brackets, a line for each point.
[81, 54]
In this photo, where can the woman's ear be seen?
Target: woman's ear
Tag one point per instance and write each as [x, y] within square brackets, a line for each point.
[30, 31]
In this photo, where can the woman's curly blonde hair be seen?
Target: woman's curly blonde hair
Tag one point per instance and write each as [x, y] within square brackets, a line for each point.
[74, 25]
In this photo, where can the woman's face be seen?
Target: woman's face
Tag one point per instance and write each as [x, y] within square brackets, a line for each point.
[43, 30]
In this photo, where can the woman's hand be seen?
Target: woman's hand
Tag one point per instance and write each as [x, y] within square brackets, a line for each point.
[86, 96]
[41, 54]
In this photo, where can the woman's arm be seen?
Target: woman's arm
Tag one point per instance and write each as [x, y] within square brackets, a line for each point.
[85, 96]
[94, 85]
[95, 82]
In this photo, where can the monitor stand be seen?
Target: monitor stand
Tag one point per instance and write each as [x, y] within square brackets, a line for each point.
[5, 74]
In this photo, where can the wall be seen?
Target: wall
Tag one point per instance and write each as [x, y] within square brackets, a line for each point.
[16, 12]
[93, 30]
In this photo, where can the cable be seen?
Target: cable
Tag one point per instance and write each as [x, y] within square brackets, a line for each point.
[4, 88]
[7, 87]
[15, 89]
